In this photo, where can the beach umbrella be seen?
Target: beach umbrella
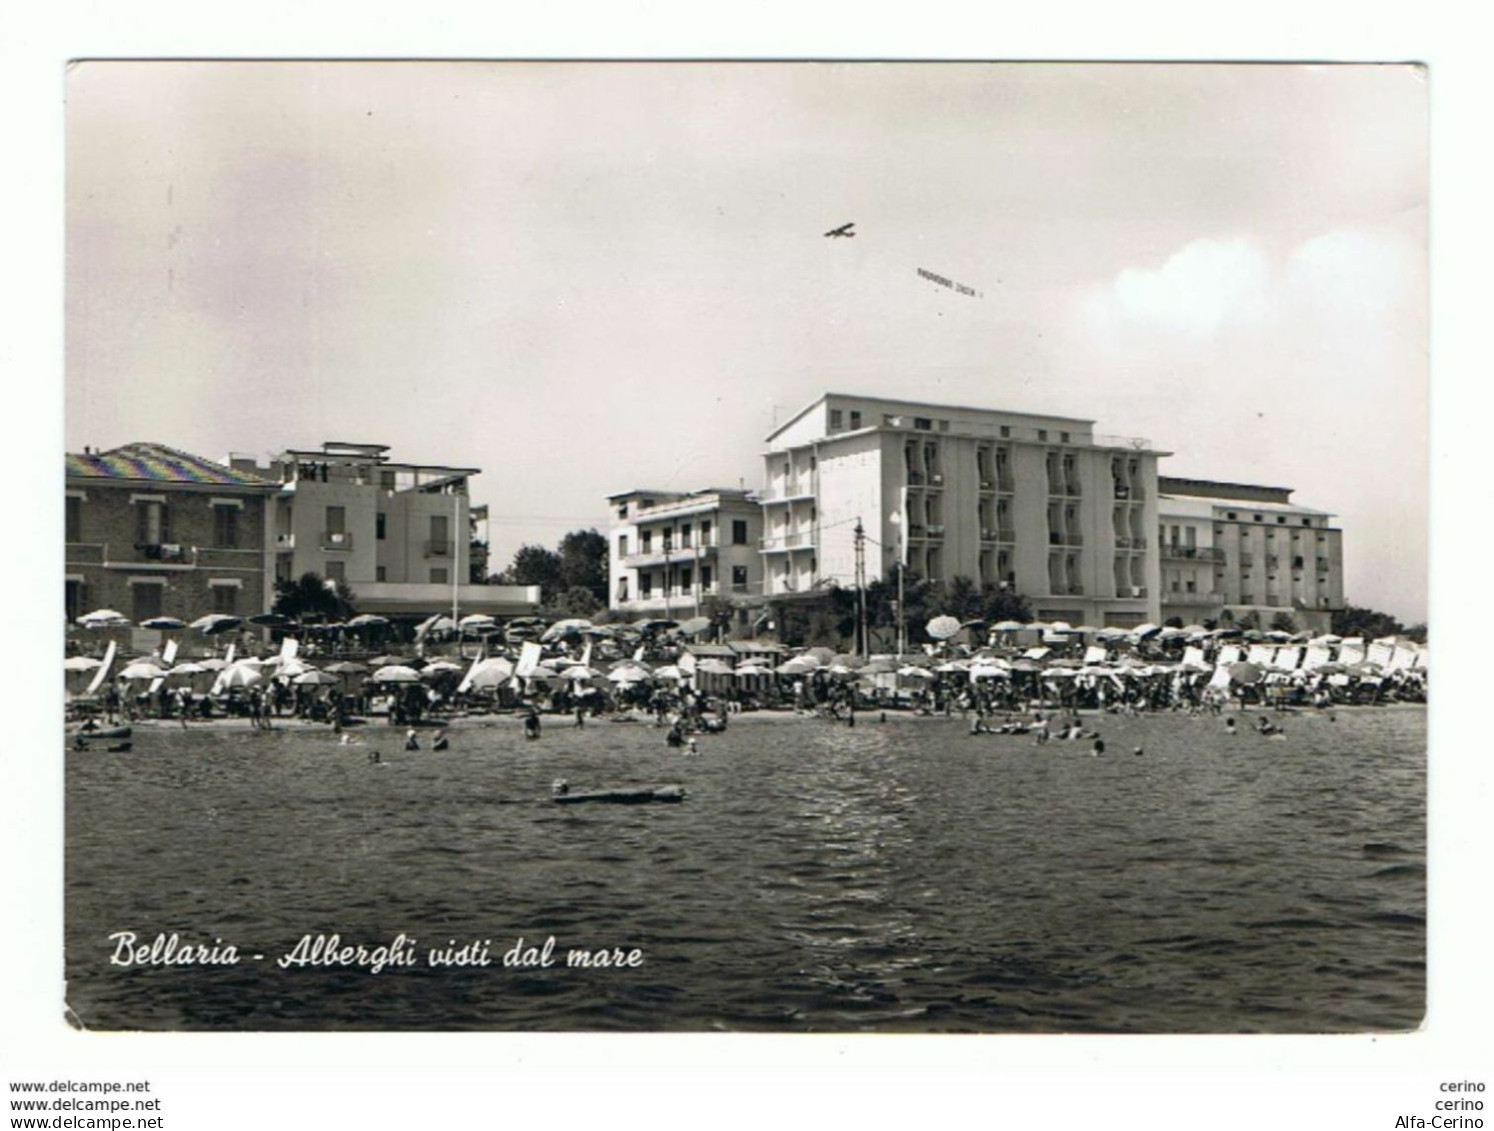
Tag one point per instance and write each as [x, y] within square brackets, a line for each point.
[1060, 626]
[81, 664]
[163, 623]
[439, 667]
[1026, 665]
[346, 667]
[367, 620]
[797, 666]
[748, 670]
[821, 657]
[104, 618]
[1245, 673]
[270, 620]
[572, 626]
[845, 659]
[491, 673]
[579, 673]
[627, 674]
[142, 669]
[396, 673]
[214, 623]
[909, 671]
[190, 668]
[213, 664]
[1195, 630]
[1142, 631]
[694, 626]
[952, 666]
[942, 627]
[239, 675]
[669, 671]
[1008, 626]
[474, 621]
[713, 667]
[315, 679]
[880, 665]
[988, 671]
[600, 631]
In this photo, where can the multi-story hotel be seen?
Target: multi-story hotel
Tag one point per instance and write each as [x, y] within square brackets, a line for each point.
[1247, 549]
[397, 533]
[668, 550]
[1041, 504]
[153, 531]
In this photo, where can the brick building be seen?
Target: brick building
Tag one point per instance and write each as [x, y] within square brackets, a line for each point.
[153, 531]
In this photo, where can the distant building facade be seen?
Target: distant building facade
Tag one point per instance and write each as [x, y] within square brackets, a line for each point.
[1248, 550]
[1040, 504]
[398, 534]
[671, 551]
[154, 531]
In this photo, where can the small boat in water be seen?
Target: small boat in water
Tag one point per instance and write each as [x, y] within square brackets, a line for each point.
[561, 794]
[103, 732]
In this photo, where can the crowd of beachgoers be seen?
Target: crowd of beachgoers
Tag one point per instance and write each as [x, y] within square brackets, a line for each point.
[260, 670]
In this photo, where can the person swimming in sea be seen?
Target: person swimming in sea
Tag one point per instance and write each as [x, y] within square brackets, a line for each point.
[532, 724]
[691, 750]
[440, 742]
[1099, 747]
[411, 742]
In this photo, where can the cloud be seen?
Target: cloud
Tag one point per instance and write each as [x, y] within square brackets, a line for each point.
[1199, 288]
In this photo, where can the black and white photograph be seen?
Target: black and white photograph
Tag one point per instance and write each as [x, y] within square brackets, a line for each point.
[772, 547]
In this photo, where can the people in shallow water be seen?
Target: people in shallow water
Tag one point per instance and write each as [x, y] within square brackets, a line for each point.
[1266, 726]
[690, 748]
[676, 735]
[532, 724]
[411, 742]
[1229, 726]
[1099, 747]
[440, 742]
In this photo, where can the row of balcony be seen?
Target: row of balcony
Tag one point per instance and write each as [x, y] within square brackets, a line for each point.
[1192, 553]
[156, 553]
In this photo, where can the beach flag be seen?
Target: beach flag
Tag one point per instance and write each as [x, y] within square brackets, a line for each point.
[99, 676]
[168, 657]
[529, 658]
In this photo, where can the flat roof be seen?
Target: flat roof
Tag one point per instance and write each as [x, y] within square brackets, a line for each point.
[823, 397]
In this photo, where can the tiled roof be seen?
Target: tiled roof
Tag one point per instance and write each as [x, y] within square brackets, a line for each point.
[156, 463]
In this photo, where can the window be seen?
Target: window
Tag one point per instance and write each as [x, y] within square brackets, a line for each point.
[622, 588]
[944, 426]
[1006, 431]
[835, 420]
[645, 584]
[1281, 518]
[1063, 437]
[439, 575]
[1258, 518]
[225, 528]
[739, 579]
[147, 597]
[923, 424]
[1307, 522]
[1042, 433]
[386, 480]
[705, 533]
[73, 522]
[152, 525]
[622, 511]
[686, 529]
[739, 532]
[381, 573]
[855, 419]
[381, 526]
[337, 519]
[1231, 515]
[645, 540]
[440, 534]
[705, 577]
[225, 599]
[335, 570]
[687, 578]
[622, 545]
[73, 594]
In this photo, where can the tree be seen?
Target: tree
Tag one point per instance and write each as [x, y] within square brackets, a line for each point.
[1283, 622]
[1173, 622]
[313, 596]
[577, 601]
[1354, 621]
[999, 603]
[583, 562]
[534, 565]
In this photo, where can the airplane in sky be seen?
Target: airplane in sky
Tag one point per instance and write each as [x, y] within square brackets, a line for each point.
[843, 230]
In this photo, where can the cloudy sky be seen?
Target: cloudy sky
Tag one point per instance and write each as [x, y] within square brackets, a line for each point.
[584, 278]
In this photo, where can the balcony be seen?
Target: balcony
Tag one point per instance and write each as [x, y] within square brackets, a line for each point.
[936, 531]
[337, 540]
[987, 486]
[285, 542]
[1065, 538]
[439, 548]
[997, 534]
[1247, 558]
[936, 479]
[1192, 553]
[783, 490]
[1178, 598]
[801, 540]
[915, 479]
[1122, 491]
